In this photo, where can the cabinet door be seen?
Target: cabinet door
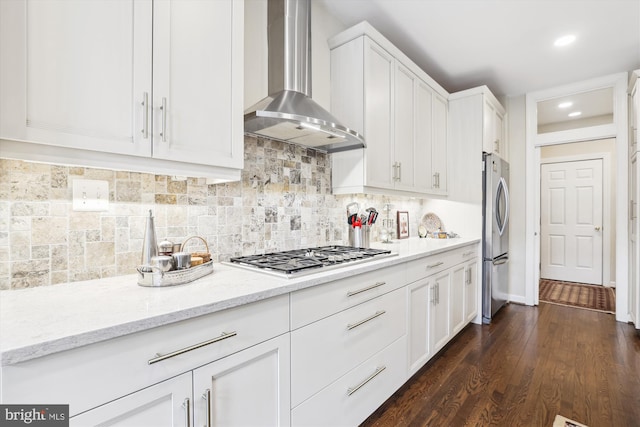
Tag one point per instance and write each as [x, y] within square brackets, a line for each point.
[378, 105]
[165, 404]
[634, 119]
[439, 148]
[197, 82]
[488, 138]
[418, 294]
[249, 388]
[424, 133]
[634, 244]
[76, 73]
[456, 311]
[439, 311]
[498, 135]
[404, 128]
[471, 291]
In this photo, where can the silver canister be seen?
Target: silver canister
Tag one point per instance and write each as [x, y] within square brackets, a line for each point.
[181, 260]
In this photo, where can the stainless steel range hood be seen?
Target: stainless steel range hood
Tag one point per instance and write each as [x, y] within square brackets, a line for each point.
[288, 113]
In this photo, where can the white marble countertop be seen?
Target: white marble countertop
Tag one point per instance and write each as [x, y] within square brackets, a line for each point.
[45, 320]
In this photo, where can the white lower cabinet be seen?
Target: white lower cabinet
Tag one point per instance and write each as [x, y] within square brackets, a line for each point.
[471, 290]
[353, 397]
[441, 300]
[250, 388]
[217, 394]
[161, 405]
[327, 355]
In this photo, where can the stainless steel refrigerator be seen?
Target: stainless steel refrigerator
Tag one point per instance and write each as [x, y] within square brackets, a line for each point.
[495, 235]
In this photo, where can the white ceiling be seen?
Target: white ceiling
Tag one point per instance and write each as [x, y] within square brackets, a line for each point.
[505, 44]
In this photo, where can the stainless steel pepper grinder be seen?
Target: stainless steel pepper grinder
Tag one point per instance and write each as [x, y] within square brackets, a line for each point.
[149, 244]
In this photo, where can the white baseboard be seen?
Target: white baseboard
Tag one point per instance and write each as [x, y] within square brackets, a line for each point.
[517, 299]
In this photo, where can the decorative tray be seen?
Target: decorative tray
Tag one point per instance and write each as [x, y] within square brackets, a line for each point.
[158, 278]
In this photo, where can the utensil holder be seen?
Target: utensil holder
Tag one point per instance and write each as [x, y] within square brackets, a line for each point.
[360, 237]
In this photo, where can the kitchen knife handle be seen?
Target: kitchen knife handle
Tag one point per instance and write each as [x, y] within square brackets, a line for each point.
[368, 288]
[160, 358]
[145, 115]
[163, 110]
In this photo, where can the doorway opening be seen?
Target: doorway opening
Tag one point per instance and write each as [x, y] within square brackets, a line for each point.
[577, 212]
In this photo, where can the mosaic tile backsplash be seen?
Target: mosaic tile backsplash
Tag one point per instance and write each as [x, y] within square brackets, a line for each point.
[284, 201]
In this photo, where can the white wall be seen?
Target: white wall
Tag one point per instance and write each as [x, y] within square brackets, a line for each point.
[517, 166]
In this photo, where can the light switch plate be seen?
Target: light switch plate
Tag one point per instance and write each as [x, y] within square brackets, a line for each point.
[90, 195]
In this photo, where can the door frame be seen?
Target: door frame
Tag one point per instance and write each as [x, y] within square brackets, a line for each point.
[607, 224]
[617, 130]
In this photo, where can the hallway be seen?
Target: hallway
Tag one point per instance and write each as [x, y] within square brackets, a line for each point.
[530, 364]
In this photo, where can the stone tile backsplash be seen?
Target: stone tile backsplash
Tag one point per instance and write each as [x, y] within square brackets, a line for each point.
[284, 201]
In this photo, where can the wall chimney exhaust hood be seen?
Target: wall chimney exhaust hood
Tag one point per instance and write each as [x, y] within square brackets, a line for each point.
[288, 113]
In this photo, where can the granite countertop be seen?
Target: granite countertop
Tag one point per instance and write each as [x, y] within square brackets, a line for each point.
[39, 321]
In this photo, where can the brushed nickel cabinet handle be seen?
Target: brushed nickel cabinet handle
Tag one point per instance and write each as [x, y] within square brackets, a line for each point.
[163, 109]
[363, 321]
[352, 390]
[399, 171]
[466, 254]
[145, 115]
[187, 406]
[207, 397]
[160, 358]
[368, 288]
[437, 264]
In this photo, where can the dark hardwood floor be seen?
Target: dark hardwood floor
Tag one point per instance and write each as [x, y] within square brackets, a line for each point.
[530, 364]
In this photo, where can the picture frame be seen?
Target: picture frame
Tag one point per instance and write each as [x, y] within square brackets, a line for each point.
[402, 224]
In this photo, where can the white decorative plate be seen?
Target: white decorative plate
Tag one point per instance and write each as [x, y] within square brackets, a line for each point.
[432, 222]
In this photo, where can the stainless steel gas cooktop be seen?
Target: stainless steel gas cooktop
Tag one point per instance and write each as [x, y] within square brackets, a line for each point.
[299, 262]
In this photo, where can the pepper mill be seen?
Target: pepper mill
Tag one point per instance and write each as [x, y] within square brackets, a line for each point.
[149, 244]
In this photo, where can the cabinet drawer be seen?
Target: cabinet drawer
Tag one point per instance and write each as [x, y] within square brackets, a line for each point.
[309, 305]
[352, 398]
[427, 266]
[89, 376]
[325, 350]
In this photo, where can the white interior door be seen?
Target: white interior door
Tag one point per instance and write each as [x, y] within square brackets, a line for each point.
[571, 221]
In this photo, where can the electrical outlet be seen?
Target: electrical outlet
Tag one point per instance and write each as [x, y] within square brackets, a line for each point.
[90, 195]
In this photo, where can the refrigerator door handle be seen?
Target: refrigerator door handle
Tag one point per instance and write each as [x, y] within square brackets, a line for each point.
[502, 259]
[500, 219]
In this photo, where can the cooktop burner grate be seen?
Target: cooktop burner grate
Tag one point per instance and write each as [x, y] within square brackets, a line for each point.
[303, 260]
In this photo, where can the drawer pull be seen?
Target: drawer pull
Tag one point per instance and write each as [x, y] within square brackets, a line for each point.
[160, 358]
[363, 321]
[466, 254]
[187, 411]
[352, 390]
[207, 397]
[437, 264]
[368, 288]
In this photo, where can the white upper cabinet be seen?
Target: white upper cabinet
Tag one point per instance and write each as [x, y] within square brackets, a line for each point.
[197, 117]
[400, 110]
[634, 112]
[157, 80]
[75, 73]
[493, 131]
[476, 120]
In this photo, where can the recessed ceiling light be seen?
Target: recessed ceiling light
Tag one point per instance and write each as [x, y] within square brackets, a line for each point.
[565, 104]
[575, 114]
[565, 40]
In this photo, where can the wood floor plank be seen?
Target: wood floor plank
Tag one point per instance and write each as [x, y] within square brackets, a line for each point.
[529, 365]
